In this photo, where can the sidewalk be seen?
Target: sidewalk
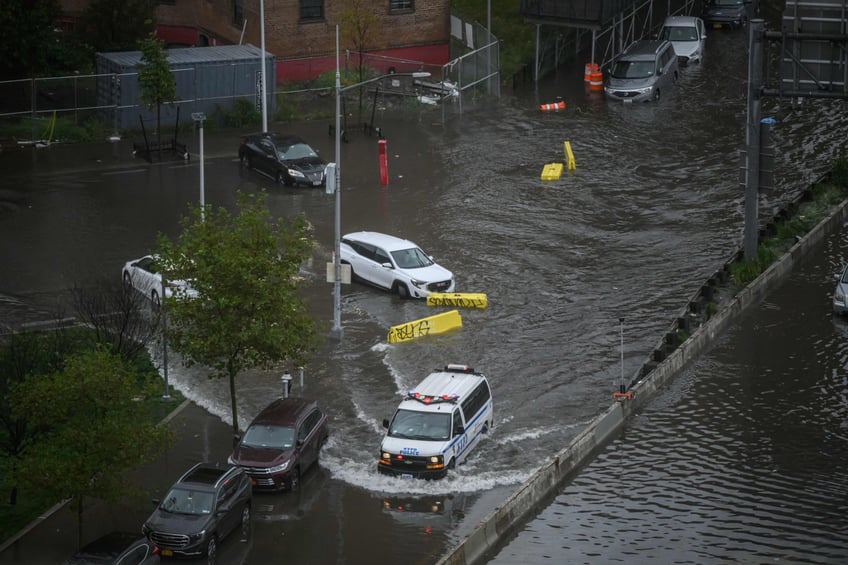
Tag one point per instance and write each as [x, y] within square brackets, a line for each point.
[106, 154]
[52, 537]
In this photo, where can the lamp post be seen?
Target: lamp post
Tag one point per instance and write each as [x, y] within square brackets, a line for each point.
[337, 261]
[199, 117]
[337, 243]
[264, 75]
[167, 393]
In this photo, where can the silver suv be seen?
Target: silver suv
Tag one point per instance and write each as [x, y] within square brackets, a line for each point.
[642, 72]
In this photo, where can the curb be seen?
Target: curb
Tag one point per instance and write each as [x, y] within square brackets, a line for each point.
[545, 482]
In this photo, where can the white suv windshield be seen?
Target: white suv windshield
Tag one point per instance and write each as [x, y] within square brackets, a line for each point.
[410, 424]
[412, 258]
[679, 33]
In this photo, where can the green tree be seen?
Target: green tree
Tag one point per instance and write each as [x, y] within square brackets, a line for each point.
[91, 429]
[248, 312]
[21, 355]
[156, 82]
[27, 36]
[117, 25]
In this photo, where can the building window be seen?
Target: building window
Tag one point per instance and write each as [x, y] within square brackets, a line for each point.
[396, 6]
[311, 10]
[238, 12]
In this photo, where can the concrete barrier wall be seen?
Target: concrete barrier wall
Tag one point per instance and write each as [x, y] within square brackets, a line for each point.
[545, 482]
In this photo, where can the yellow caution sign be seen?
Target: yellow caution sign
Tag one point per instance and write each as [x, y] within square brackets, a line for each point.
[569, 156]
[552, 171]
[458, 299]
[431, 325]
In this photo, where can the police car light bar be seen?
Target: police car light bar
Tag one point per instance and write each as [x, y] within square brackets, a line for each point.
[457, 368]
[424, 399]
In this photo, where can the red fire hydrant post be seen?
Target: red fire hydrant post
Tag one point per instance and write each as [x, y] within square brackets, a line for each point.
[384, 164]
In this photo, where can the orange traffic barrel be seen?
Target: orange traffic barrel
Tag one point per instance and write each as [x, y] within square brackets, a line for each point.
[596, 81]
[588, 70]
[553, 106]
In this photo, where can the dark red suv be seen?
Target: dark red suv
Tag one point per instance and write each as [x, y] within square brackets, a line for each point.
[281, 443]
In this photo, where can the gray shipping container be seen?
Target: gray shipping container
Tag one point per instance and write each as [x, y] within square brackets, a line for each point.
[207, 79]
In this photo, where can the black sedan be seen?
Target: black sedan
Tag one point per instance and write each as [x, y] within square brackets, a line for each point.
[285, 158]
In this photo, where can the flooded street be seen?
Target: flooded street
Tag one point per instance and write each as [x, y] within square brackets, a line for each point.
[653, 208]
[743, 459]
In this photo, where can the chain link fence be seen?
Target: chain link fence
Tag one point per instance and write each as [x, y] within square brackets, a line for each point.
[78, 107]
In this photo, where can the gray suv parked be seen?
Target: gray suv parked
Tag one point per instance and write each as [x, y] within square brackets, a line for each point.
[645, 70]
[206, 504]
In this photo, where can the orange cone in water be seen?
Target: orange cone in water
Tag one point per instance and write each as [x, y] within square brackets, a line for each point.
[596, 82]
[553, 106]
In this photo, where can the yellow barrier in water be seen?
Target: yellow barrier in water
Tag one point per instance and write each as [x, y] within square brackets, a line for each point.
[431, 325]
[569, 156]
[458, 299]
[552, 171]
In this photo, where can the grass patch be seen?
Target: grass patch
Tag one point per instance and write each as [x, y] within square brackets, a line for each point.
[823, 197]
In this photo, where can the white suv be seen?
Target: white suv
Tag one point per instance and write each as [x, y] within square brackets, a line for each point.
[394, 264]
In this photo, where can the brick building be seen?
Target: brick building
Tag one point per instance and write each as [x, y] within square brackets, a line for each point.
[301, 34]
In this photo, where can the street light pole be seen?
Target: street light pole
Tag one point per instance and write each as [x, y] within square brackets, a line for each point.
[337, 249]
[264, 74]
[199, 117]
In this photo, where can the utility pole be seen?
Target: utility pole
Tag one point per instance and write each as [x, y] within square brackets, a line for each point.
[752, 140]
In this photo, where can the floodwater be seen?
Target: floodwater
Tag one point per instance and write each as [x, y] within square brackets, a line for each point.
[652, 209]
[743, 459]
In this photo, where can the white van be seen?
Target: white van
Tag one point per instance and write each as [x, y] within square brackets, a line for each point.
[437, 424]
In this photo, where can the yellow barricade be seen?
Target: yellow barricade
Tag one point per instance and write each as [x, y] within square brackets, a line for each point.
[431, 325]
[458, 299]
[552, 171]
[569, 156]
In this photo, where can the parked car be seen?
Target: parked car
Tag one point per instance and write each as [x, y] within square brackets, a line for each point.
[202, 508]
[287, 159]
[727, 13]
[394, 264]
[642, 72]
[144, 276]
[117, 548]
[282, 442]
[840, 293]
[687, 35]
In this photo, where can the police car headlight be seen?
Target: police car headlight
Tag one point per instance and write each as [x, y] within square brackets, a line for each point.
[386, 456]
[436, 459]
